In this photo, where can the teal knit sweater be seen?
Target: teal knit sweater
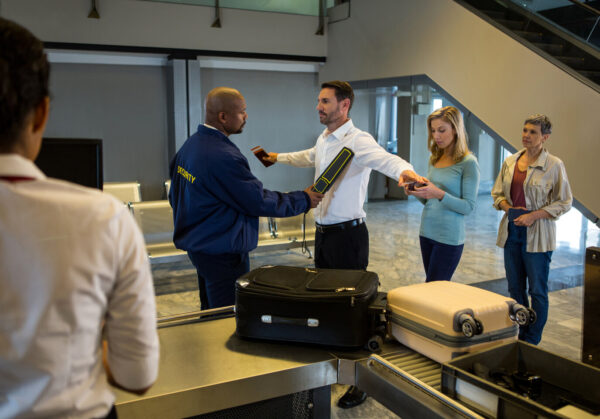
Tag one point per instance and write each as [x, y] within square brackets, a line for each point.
[444, 221]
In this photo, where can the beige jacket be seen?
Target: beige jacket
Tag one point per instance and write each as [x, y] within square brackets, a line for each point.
[546, 187]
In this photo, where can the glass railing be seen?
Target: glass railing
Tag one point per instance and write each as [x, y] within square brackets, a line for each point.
[578, 18]
[303, 7]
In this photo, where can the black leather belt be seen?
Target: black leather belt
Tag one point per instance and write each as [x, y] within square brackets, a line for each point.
[322, 228]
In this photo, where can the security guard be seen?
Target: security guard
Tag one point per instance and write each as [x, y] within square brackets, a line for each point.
[217, 200]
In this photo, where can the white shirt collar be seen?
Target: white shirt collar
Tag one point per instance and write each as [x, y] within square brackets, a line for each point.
[210, 126]
[341, 131]
[17, 165]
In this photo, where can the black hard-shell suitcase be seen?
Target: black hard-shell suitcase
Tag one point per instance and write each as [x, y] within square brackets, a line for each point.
[322, 306]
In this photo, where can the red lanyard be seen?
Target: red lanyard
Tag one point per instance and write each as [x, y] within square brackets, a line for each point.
[16, 178]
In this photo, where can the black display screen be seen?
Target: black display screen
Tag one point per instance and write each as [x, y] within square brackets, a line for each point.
[73, 159]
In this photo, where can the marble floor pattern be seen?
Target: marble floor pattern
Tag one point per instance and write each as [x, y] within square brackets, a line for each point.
[395, 256]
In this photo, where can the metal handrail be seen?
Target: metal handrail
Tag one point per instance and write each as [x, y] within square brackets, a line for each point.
[593, 29]
[591, 10]
[195, 316]
[586, 6]
[553, 27]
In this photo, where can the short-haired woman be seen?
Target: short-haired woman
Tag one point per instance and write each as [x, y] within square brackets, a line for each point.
[449, 195]
[533, 190]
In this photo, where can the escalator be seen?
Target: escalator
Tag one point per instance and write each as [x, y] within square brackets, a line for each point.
[580, 20]
[567, 34]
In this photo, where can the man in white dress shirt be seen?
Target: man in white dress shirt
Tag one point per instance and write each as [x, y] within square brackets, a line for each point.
[73, 268]
[342, 238]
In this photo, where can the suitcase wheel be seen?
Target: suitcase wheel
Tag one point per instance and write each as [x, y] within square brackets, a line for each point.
[532, 315]
[375, 343]
[469, 326]
[521, 314]
[522, 317]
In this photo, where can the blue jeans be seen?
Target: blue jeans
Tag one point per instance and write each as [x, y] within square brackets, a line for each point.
[525, 268]
[440, 260]
[217, 275]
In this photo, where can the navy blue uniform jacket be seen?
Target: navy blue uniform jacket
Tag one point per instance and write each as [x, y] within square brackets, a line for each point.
[216, 200]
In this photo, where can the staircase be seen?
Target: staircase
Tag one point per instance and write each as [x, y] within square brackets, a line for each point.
[541, 33]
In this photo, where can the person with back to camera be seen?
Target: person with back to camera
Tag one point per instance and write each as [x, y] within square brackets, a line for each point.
[217, 200]
[449, 195]
[533, 190]
[73, 267]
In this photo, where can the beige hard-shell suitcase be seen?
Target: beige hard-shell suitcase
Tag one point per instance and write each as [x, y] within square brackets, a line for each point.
[444, 319]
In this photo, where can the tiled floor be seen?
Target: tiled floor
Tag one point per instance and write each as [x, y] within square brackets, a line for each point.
[395, 256]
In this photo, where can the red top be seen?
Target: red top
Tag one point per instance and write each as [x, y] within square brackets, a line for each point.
[516, 188]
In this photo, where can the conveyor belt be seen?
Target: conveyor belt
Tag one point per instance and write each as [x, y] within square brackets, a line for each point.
[408, 384]
[418, 366]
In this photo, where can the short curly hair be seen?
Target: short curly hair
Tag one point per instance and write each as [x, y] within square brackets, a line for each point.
[24, 74]
[542, 120]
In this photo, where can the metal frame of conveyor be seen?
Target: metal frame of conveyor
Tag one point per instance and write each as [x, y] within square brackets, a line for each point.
[405, 394]
[205, 368]
[590, 351]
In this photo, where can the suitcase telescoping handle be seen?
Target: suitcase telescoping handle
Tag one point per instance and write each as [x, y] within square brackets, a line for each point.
[267, 318]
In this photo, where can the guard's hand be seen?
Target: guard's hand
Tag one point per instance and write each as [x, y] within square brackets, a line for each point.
[271, 158]
[408, 176]
[315, 197]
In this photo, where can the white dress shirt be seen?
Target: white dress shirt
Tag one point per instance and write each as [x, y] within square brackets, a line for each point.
[71, 259]
[344, 201]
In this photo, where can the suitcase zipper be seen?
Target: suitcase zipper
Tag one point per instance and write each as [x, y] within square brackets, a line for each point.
[452, 341]
[337, 297]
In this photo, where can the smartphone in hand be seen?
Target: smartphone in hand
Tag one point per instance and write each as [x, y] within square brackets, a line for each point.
[259, 152]
[413, 185]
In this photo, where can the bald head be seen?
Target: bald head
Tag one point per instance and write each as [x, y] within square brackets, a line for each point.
[226, 110]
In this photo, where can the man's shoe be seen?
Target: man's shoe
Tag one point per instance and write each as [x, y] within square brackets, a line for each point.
[353, 397]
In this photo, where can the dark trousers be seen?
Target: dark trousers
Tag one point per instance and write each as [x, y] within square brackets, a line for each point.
[525, 269]
[440, 260]
[342, 249]
[217, 275]
[346, 248]
[112, 413]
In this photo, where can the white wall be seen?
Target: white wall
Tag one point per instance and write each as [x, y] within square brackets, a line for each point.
[125, 107]
[494, 76]
[167, 25]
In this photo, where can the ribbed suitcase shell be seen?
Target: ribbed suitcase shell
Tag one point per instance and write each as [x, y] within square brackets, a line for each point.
[424, 318]
[278, 302]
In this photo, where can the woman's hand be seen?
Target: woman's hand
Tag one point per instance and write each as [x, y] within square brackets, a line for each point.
[505, 206]
[526, 220]
[407, 189]
[429, 191]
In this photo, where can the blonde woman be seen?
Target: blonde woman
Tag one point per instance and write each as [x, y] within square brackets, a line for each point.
[449, 194]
